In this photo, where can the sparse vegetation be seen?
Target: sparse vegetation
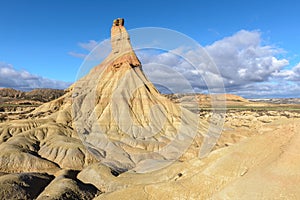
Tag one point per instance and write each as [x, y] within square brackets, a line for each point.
[3, 117]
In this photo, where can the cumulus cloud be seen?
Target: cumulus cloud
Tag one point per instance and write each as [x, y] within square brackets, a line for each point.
[242, 59]
[24, 80]
[295, 73]
[270, 89]
[243, 63]
[292, 74]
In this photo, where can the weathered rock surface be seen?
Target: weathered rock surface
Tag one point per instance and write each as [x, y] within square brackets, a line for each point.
[38, 95]
[15, 104]
[67, 186]
[261, 167]
[124, 119]
[23, 185]
[112, 135]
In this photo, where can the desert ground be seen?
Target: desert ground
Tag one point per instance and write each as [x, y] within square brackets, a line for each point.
[80, 144]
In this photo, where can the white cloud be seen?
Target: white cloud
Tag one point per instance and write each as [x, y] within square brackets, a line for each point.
[289, 74]
[295, 76]
[96, 51]
[242, 59]
[269, 89]
[245, 65]
[24, 80]
[89, 46]
[77, 55]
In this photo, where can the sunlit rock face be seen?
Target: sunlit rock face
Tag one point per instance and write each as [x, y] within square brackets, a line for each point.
[112, 135]
[123, 119]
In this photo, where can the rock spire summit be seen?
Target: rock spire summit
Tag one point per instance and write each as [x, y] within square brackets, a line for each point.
[121, 47]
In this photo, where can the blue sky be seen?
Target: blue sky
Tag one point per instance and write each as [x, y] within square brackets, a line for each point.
[39, 40]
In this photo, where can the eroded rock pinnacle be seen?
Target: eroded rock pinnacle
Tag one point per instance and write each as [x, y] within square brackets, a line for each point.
[121, 47]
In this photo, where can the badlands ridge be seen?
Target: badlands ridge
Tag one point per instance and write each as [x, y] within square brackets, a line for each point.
[112, 135]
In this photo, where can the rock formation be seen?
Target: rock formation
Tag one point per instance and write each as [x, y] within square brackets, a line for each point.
[123, 119]
[112, 135]
[38, 95]
[14, 103]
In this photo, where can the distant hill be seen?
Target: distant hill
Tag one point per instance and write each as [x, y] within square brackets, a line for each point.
[11, 93]
[44, 95]
[38, 95]
[278, 100]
